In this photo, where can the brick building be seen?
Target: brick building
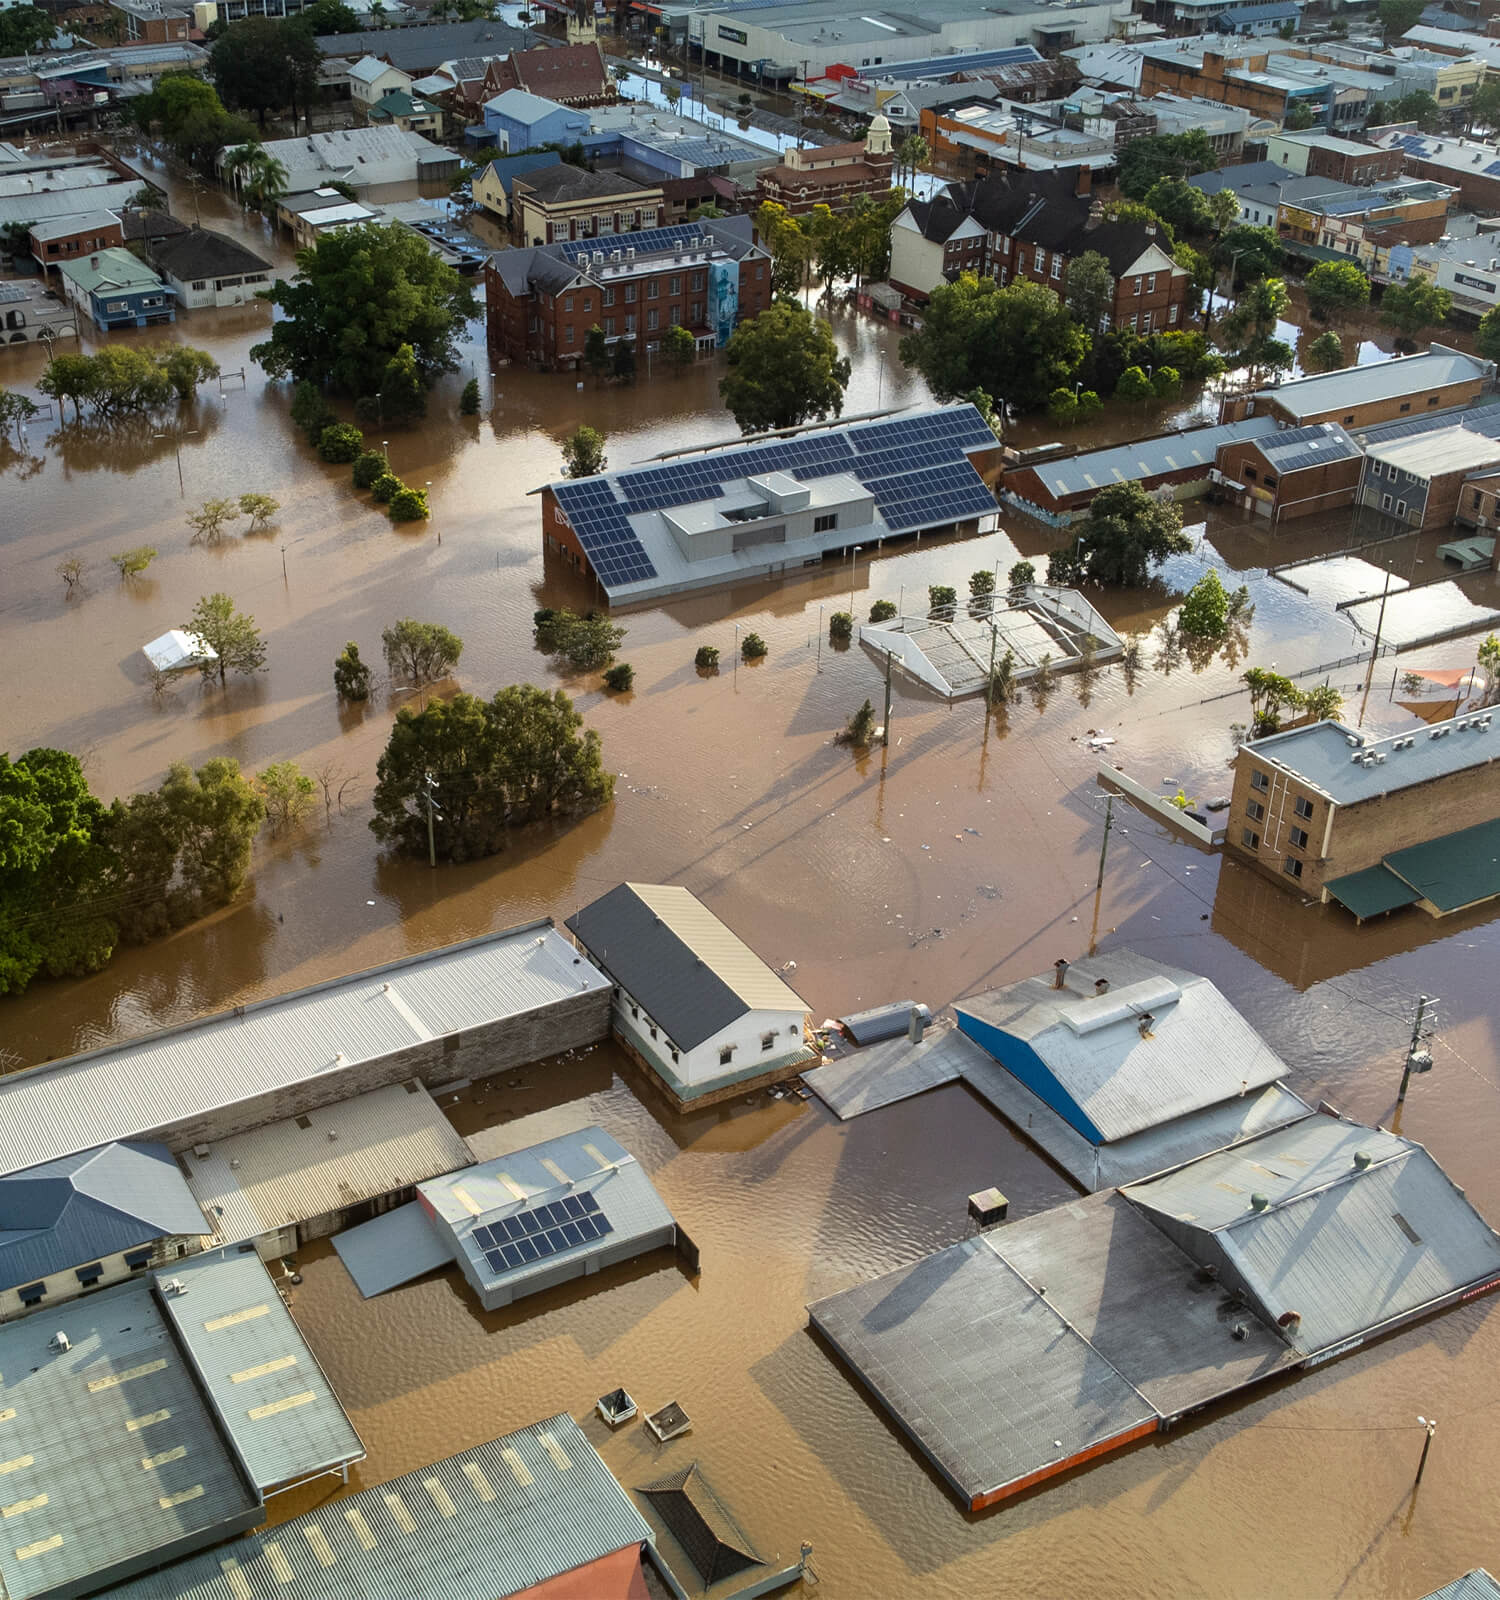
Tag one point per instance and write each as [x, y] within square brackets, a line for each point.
[706, 277]
[832, 175]
[1323, 155]
[1419, 474]
[1295, 472]
[1330, 813]
[1014, 225]
[1471, 166]
[554, 203]
[1237, 77]
[570, 75]
[1384, 391]
[1479, 507]
[68, 238]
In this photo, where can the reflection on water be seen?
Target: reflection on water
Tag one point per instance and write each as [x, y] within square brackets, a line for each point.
[964, 855]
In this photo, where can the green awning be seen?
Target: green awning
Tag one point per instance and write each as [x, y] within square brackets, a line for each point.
[1458, 870]
[1372, 891]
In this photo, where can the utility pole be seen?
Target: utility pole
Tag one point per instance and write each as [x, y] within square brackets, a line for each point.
[989, 682]
[1109, 812]
[1375, 649]
[428, 786]
[1430, 1423]
[1417, 1060]
[886, 724]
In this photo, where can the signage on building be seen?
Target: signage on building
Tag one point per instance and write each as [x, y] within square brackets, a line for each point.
[1474, 283]
[734, 35]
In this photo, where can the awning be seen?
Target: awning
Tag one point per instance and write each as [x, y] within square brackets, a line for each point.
[1460, 869]
[1372, 891]
[391, 1250]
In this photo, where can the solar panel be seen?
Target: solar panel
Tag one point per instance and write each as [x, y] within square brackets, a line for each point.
[608, 540]
[644, 242]
[540, 1231]
[932, 495]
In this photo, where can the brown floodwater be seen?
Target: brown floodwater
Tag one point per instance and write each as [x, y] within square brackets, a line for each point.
[963, 856]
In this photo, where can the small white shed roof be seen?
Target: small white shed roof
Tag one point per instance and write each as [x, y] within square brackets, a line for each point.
[177, 649]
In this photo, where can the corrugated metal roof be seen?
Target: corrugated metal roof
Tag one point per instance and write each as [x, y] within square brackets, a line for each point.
[1376, 381]
[398, 1247]
[1371, 892]
[1475, 1585]
[1200, 1050]
[892, 1070]
[323, 1161]
[111, 1447]
[1457, 870]
[248, 1352]
[482, 1525]
[132, 1088]
[72, 1212]
[678, 961]
[1146, 458]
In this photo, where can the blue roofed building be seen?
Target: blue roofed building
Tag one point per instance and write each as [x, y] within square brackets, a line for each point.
[1121, 1066]
[520, 121]
[491, 188]
[524, 1222]
[117, 290]
[88, 1220]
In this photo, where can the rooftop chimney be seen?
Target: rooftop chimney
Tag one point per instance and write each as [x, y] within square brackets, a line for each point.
[916, 1025]
[1060, 969]
[1085, 181]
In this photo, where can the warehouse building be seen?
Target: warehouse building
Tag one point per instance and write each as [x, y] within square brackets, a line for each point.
[1296, 472]
[464, 1011]
[1039, 1345]
[773, 505]
[524, 1222]
[1359, 397]
[1121, 1066]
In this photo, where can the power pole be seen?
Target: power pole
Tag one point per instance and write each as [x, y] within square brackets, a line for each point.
[428, 786]
[1430, 1423]
[989, 682]
[1375, 648]
[886, 725]
[1109, 812]
[1417, 1060]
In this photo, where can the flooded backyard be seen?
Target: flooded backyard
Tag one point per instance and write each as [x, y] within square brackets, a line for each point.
[963, 856]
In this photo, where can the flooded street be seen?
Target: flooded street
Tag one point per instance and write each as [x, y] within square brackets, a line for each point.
[963, 856]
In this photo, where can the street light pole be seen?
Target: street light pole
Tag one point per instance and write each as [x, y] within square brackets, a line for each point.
[853, 567]
[1109, 811]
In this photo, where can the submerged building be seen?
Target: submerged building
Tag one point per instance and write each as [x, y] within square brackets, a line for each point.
[772, 505]
[1039, 1345]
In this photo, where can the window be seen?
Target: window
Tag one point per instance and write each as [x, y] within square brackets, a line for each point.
[635, 1012]
[1432, 399]
[1406, 405]
[1005, 245]
[1478, 500]
[653, 289]
[1172, 314]
[609, 297]
[1255, 811]
[609, 327]
[531, 325]
[568, 334]
[1385, 502]
[768, 1041]
[89, 1274]
[630, 323]
[652, 1030]
[588, 302]
[1299, 838]
[1349, 418]
[697, 312]
[1270, 482]
[1057, 266]
[1259, 780]
[31, 1293]
[1400, 508]
[1137, 285]
[825, 523]
[697, 280]
[651, 318]
[1292, 867]
[1250, 839]
[1151, 283]
[1303, 807]
[674, 284]
[630, 294]
[726, 1055]
[567, 302]
[1249, 473]
[200, 283]
[1130, 323]
[1041, 260]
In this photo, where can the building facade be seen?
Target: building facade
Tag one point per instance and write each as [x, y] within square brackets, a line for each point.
[205, 269]
[117, 291]
[834, 175]
[1322, 155]
[67, 238]
[541, 303]
[1384, 391]
[1293, 472]
[554, 204]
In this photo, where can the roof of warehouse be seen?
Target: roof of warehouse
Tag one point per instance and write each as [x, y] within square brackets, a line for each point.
[1376, 381]
[29, 208]
[1323, 755]
[1475, 1585]
[690, 972]
[1455, 870]
[323, 1161]
[984, 1373]
[946, 66]
[1296, 449]
[124, 1090]
[1199, 1050]
[1145, 458]
[1427, 455]
[81, 1426]
[1343, 1246]
[490, 1522]
[65, 227]
[249, 1355]
[96, 1203]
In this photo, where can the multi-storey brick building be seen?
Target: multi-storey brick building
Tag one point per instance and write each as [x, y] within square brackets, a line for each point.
[1384, 391]
[1375, 824]
[1032, 225]
[832, 175]
[1325, 155]
[706, 277]
[551, 204]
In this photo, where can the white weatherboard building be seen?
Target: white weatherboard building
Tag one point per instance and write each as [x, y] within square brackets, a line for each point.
[692, 1001]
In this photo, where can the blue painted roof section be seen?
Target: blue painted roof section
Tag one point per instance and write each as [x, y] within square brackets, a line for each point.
[945, 66]
[80, 1208]
[510, 167]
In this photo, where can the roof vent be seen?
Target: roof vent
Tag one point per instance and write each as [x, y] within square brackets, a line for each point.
[1258, 1202]
[1060, 973]
[60, 1342]
[201, 1152]
[1361, 1159]
[174, 1286]
[1353, 741]
[1101, 985]
[1143, 1022]
[333, 1134]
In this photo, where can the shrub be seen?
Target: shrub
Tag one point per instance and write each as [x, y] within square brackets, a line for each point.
[981, 583]
[408, 505]
[1062, 405]
[620, 678]
[1166, 383]
[707, 658]
[1021, 574]
[386, 485]
[340, 442]
[311, 412]
[753, 647]
[131, 563]
[585, 643]
[1205, 612]
[861, 727]
[942, 601]
[368, 466]
[351, 677]
[1089, 403]
[841, 626]
[882, 611]
[468, 401]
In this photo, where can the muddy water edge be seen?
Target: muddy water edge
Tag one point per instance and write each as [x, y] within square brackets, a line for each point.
[963, 856]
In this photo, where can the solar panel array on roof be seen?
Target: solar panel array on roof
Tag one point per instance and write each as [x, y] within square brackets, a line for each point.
[643, 243]
[541, 1231]
[13, 291]
[917, 499]
[608, 540]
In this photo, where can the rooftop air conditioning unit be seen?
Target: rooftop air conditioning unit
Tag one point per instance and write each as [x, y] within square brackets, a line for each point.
[60, 1342]
[1356, 758]
[1352, 740]
[174, 1286]
[1379, 756]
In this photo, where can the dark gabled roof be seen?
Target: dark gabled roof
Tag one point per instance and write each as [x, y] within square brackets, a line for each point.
[937, 218]
[1004, 201]
[701, 1524]
[76, 1210]
[425, 47]
[202, 253]
[564, 182]
[149, 225]
[1120, 243]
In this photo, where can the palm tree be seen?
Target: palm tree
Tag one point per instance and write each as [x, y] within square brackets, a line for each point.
[268, 180]
[238, 161]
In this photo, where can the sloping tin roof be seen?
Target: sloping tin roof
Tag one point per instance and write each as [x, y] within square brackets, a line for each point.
[1371, 892]
[690, 972]
[485, 1524]
[1475, 1585]
[702, 1525]
[1457, 870]
[1146, 458]
[112, 269]
[249, 1354]
[124, 1090]
[76, 1210]
[1378, 380]
[1199, 1050]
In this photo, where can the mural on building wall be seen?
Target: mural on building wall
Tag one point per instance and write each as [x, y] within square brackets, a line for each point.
[723, 299]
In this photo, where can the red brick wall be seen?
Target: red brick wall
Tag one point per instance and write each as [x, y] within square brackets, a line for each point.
[1372, 167]
[1475, 189]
